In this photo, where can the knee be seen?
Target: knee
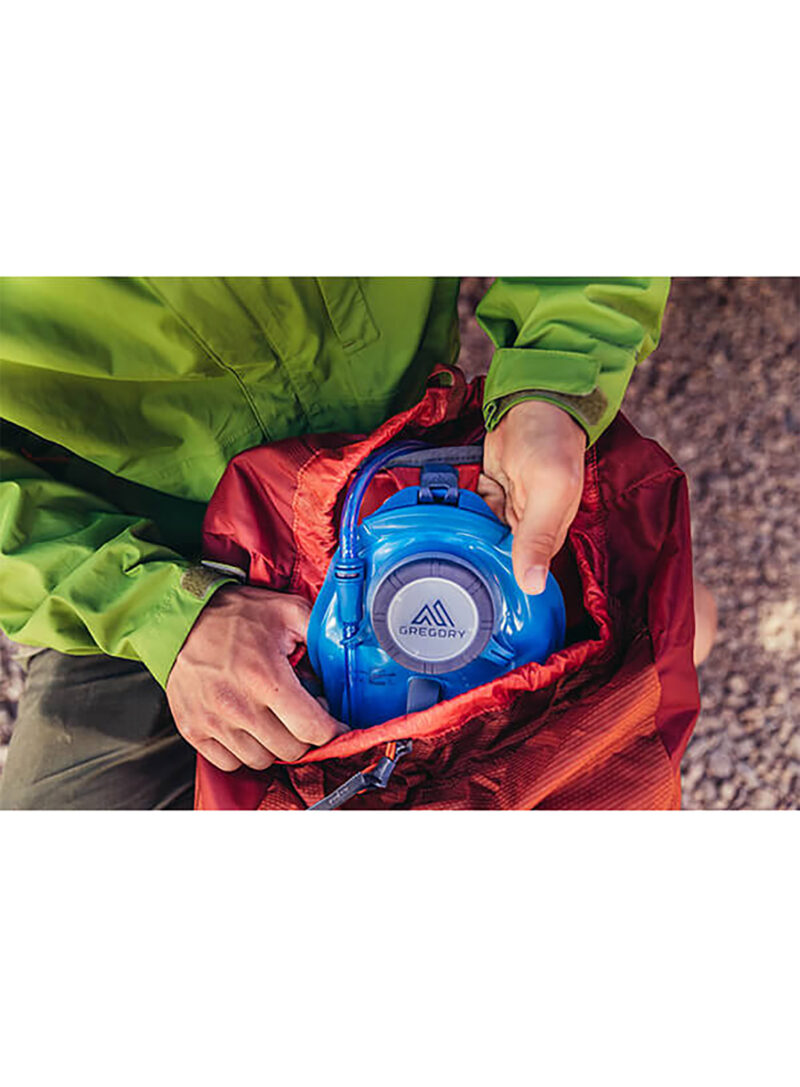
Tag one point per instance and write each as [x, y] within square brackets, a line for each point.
[705, 621]
[14, 796]
[20, 790]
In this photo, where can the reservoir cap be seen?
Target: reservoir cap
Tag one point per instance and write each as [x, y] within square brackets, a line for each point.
[432, 615]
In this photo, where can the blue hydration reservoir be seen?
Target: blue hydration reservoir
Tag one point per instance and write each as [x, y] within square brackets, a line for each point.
[420, 602]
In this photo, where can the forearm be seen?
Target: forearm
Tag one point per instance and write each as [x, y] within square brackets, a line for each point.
[80, 576]
[571, 342]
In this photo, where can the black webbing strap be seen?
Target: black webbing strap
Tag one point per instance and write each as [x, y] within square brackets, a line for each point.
[442, 454]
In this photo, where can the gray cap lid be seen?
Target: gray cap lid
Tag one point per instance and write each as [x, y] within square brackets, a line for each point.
[432, 615]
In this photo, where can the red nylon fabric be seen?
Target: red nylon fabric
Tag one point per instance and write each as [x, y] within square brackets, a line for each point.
[602, 724]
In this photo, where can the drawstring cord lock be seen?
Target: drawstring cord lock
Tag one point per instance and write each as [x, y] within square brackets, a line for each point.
[374, 777]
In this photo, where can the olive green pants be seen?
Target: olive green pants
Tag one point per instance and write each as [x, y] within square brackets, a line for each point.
[94, 733]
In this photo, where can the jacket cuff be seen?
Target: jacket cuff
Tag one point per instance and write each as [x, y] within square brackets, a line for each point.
[585, 410]
[570, 380]
[517, 368]
[159, 641]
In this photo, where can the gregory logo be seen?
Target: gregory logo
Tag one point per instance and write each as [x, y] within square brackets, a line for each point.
[432, 621]
[434, 615]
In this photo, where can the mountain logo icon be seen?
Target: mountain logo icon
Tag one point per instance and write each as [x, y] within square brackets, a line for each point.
[433, 615]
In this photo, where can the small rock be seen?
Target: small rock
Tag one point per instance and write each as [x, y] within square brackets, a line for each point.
[727, 792]
[748, 775]
[700, 745]
[762, 800]
[692, 776]
[771, 573]
[752, 713]
[793, 746]
[786, 732]
[737, 684]
[790, 781]
[708, 794]
[720, 764]
[736, 728]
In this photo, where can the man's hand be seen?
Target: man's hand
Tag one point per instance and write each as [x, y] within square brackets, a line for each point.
[533, 480]
[232, 691]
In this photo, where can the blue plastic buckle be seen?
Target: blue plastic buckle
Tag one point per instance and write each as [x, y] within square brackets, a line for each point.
[438, 483]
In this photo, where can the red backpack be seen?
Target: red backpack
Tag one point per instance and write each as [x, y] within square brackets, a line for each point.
[602, 724]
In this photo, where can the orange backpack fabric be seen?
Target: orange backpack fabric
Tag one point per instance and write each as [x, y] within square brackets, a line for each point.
[602, 724]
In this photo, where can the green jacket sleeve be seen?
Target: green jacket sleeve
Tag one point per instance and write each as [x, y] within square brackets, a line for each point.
[78, 575]
[571, 342]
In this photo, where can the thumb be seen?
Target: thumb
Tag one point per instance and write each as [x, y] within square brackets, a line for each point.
[539, 535]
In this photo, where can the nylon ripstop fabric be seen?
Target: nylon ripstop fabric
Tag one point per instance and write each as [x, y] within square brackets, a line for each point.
[602, 724]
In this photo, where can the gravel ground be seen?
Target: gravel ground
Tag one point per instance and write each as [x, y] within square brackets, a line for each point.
[722, 394]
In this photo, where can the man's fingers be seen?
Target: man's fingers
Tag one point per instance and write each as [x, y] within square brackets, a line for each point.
[247, 749]
[537, 453]
[254, 734]
[237, 740]
[296, 709]
[237, 700]
[217, 755]
[493, 495]
[272, 734]
[540, 531]
[253, 745]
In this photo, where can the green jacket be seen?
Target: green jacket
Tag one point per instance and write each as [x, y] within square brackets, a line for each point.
[124, 399]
